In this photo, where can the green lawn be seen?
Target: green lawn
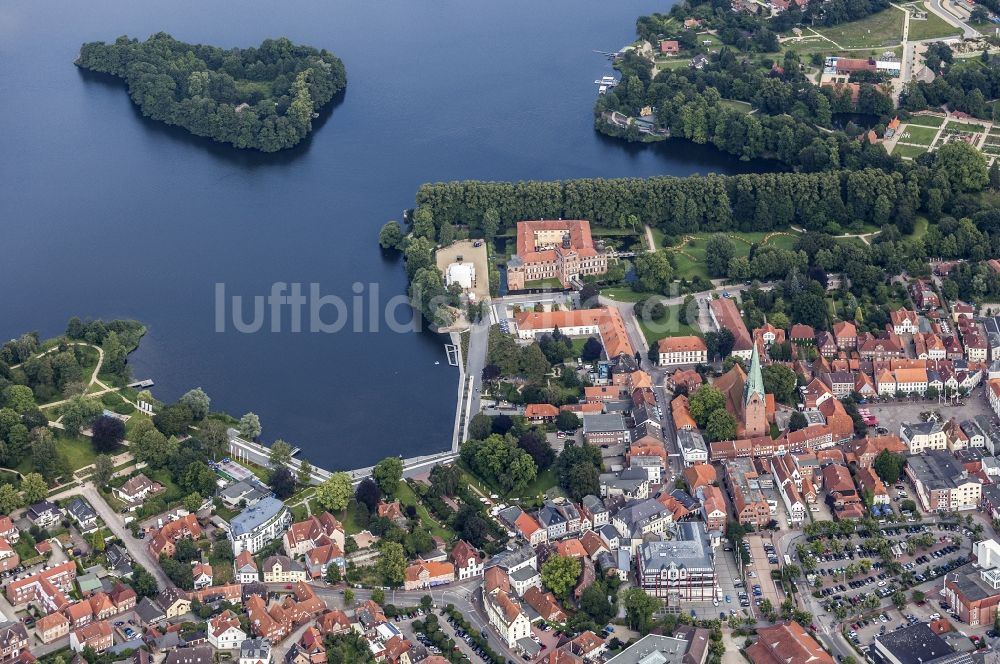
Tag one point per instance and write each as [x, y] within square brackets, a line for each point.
[79, 452]
[918, 135]
[173, 492]
[545, 481]
[544, 283]
[971, 127]
[884, 28]
[668, 326]
[911, 151]
[349, 517]
[933, 28]
[407, 497]
[623, 294]
[926, 120]
[920, 227]
[736, 105]
[690, 258]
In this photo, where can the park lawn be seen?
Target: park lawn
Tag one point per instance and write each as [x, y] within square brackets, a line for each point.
[406, 496]
[350, 518]
[676, 62]
[926, 120]
[970, 127]
[908, 151]
[884, 28]
[654, 330]
[542, 483]
[736, 105]
[934, 27]
[920, 227]
[79, 450]
[689, 269]
[173, 492]
[918, 135]
[623, 294]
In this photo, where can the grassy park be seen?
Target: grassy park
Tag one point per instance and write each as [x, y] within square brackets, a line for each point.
[934, 27]
[884, 28]
[926, 121]
[908, 151]
[918, 135]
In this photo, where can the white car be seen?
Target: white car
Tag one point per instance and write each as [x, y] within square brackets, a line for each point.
[935, 616]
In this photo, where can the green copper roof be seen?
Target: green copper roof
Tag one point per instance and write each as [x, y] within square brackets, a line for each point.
[755, 380]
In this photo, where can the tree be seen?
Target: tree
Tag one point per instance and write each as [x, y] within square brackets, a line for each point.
[387, 473]
[780, 381]
[480, 426]
[653, 271]
[198, 402]
[962, 165]
[249, 426]
[718, 252]
[348, 648]
[899, 599]
[173, 420]
[305, 473]
[143, 583]
[282, 482]
[918, 596]
[592, 350]
[594, 602]
[20, 398]
[391, 235]
[490, 223]
[705, 401]
[368, 494]
[280, 454]
[34, 488]
[104, 469]
[559, 574]
[10, 499]
[108, 433]
[193, 501]
[639, 608]
[889, 466]
[470, 526]
[378, 596]
[214, 437]
[391, 563]
[445, 479]
[153, 448]
[333, 573]
[567, 420]
[348, 598]
[721, 425]
[78, 414]
[423, 223]
[334, 493]
[534, 443]
[797, 421]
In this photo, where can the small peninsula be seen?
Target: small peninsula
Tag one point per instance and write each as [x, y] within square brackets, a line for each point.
[263, 98]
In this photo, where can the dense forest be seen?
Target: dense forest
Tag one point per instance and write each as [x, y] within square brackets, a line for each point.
[262, 98]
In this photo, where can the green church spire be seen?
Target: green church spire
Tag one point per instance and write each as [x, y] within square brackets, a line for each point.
[755, 380]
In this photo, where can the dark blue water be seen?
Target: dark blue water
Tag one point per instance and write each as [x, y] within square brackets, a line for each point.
[105, 214]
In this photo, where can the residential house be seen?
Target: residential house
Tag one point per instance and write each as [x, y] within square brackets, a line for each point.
[84, 515]
[245, 568]
[426, 574]
[923, 436]
[224, 632]
[846, 335]
[255, 651]
[467, 560]
[786, 643]
[905, 321]
[51, 627]
[44, 514]
[98, 636]
[164, 541]
[136, 490]
[282, 569]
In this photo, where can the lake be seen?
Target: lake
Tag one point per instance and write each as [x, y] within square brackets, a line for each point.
[106, 214]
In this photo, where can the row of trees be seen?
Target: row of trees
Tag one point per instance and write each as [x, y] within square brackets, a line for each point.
[758, 201]
[262, 98]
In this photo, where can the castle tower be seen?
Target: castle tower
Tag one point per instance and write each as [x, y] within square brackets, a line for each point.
[754, 401]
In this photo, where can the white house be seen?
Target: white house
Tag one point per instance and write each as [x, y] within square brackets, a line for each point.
[224, 631]
[259, 525]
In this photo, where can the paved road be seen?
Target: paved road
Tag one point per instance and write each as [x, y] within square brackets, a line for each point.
[939, 7]
[136, 548]
[478, 340]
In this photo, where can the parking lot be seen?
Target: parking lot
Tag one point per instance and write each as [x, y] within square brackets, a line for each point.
[405, 625]
[892, 414]
[764, 558]
[844, 585]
